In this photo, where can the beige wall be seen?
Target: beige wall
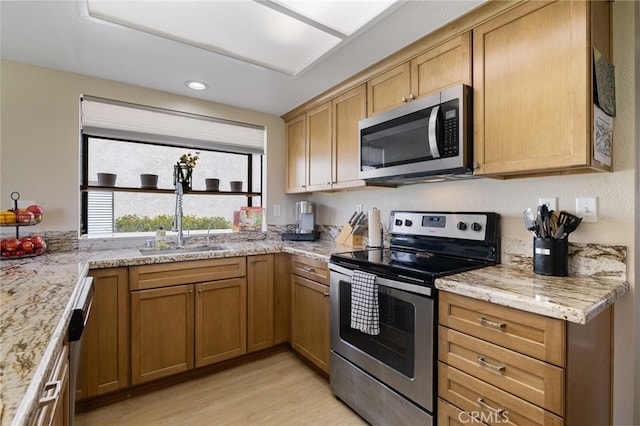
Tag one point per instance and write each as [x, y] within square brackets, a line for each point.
[40, 137]
[40, 152]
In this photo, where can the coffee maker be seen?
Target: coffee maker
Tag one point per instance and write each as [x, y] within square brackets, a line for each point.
[305, 222]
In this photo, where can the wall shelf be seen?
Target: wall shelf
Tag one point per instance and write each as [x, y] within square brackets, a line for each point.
[88, 188]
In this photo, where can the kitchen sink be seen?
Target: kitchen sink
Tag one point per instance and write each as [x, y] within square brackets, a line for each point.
[181, 250]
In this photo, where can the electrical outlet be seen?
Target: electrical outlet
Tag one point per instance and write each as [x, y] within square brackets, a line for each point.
[276, 209]
[587, 209]
[551, 202]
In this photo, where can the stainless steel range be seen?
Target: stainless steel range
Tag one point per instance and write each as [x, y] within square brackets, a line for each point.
[383, 311]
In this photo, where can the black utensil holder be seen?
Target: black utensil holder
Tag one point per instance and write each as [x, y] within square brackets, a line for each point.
[551, 256]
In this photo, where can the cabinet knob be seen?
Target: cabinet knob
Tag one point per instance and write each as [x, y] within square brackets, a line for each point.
[328, 182]
[404, 99]
[411, 97]
[325, 294]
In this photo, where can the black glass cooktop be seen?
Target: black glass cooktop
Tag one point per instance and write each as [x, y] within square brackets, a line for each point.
[418, 264]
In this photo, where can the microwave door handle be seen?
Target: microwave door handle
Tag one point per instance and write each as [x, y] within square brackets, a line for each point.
[433, 136]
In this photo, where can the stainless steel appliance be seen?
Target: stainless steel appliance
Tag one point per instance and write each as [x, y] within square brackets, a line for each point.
[426, 139]
[305, 223]
[390, 377]
[79, 317]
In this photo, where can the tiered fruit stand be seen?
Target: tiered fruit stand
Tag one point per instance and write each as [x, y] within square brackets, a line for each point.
[21, 247]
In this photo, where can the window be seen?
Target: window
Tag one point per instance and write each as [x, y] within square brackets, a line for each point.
[117, 148]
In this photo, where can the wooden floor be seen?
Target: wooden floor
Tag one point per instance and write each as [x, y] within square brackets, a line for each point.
[278, 390]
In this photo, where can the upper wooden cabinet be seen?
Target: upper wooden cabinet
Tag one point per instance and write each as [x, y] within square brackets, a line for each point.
[440, 67]
[296, 154]
[532, 88]
[322, 145]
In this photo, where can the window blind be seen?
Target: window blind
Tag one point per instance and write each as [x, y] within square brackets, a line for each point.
[115, 119]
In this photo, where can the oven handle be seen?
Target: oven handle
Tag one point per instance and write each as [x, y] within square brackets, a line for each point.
[384, 282]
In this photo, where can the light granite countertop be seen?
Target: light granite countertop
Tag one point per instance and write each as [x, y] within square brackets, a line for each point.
[37, 293]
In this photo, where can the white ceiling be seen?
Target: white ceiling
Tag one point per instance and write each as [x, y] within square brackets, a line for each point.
[61, 35]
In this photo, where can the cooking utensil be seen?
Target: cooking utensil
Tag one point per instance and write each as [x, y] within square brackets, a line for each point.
[351, 219]
[570, 222]
[530, 222]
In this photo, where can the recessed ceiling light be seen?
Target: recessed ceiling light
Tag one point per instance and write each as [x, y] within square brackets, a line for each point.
[196, 85]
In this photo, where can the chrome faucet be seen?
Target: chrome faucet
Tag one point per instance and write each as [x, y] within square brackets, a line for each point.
[177, 217]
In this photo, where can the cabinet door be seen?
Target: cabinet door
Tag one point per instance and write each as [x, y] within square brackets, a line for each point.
[531, 81]
[220, 320]
[295, 153]
[161, 332]
[319, 149]
[310, 321]
[443, 66]
[348, 110]
[281, 298]
[104, 361]
[389, 89]
[259, 302]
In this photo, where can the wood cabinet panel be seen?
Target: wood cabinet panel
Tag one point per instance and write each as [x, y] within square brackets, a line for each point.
[389, 89]
[535, 335]
[220, 320]
[310, 321]
[175, 273]
[348, 109]
[319, 148]
[449, 415]
[281, 298]
[296, 154]
[260, 284]
[104, 360]
[444, 66]
[528, 378]
[161, 332]
[532, 90]
[53, 403]
[493, 404]
[311, 269]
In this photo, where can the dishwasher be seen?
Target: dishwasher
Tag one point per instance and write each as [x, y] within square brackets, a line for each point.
[79, 317]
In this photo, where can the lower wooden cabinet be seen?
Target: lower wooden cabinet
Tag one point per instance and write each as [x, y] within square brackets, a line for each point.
[104, 360]
[221, 320]
[504, 365]
[260, 285]
[310, 320]
[174, 329]
[53, 404]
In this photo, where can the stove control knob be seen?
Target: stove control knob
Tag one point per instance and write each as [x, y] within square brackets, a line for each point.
[408, 222]
[462, 226]
[398, 222]
[476, 226]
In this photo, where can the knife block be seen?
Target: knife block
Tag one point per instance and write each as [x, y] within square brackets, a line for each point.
[347, 238]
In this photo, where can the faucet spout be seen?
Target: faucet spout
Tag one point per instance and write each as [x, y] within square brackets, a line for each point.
[177, 217]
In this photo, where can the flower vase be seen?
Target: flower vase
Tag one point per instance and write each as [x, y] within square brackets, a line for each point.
[182, 173]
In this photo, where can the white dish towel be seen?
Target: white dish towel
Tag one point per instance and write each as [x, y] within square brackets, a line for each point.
[365, 312]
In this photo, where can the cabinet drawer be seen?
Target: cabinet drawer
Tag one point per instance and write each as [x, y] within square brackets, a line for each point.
[195, 271]
[531, 334]
[312, 269]
[492, 405]
[533, 380]
[448, 415]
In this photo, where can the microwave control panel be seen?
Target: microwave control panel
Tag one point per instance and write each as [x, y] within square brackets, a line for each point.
[450, 131]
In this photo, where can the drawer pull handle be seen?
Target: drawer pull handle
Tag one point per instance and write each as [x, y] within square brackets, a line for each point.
[325, 294]
[497, 411]
[309, 269]
[57, 387]
[499, 325]
[483, 363]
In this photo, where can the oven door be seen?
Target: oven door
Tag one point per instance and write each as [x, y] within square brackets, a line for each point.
[402, 355]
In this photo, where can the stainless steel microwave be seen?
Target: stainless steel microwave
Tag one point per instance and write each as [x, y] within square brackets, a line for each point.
[427, 139]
